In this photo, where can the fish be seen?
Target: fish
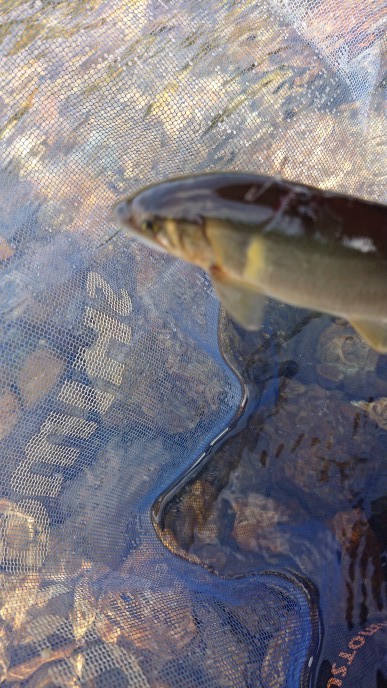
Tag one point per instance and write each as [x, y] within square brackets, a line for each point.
[262, 237]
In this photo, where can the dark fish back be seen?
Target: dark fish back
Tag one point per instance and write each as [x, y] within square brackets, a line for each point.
[318, 214]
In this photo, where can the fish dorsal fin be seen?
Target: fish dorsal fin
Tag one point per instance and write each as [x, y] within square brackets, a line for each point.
[374, 333]
[244, 303]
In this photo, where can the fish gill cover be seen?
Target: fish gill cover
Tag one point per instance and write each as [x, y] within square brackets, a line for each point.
[124, 560]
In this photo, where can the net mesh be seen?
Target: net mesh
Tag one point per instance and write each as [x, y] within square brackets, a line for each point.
[114, 376]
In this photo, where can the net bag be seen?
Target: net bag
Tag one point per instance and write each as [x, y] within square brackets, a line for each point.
[182, 503]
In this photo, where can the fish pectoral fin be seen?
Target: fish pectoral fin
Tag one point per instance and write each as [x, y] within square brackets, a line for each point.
[245, 304]
[373, 332]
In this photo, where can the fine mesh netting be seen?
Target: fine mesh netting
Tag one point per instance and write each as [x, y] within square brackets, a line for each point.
[121, 564]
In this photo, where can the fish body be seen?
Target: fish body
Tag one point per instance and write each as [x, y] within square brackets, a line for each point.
[262, 237]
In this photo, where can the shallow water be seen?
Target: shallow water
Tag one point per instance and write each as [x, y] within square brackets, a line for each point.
[99, 98]
[299, 483]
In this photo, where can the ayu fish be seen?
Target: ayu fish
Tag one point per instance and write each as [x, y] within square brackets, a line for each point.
[261, 237]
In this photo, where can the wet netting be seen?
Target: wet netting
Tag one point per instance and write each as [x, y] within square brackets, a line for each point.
[183, 503]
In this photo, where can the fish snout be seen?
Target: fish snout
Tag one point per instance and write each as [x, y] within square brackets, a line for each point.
[123, 212]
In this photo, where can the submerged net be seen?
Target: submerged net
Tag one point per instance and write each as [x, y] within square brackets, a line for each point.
[121, 565]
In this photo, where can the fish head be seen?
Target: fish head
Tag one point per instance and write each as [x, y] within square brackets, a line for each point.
[165, 216]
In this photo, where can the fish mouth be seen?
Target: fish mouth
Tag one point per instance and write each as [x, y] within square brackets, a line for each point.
[130, 213]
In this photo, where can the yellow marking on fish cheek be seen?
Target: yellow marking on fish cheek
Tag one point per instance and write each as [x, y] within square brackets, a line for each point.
[255, 260]
[172, 232]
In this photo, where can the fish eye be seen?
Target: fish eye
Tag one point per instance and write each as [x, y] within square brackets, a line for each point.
[148, 226]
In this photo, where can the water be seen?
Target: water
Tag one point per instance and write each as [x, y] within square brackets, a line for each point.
[298, 484]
